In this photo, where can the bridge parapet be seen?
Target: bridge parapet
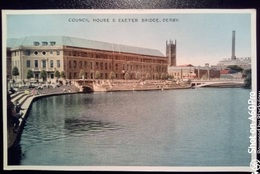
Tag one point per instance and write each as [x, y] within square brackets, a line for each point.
[219, 83]
[219, 80]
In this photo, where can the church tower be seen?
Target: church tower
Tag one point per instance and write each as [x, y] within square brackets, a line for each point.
[171, 52]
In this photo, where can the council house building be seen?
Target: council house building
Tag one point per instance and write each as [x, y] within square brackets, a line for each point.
[74, 55]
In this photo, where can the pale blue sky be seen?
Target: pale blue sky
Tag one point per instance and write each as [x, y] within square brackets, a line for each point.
[201, 38]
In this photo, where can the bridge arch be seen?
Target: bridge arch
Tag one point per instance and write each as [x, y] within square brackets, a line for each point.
[87, 89]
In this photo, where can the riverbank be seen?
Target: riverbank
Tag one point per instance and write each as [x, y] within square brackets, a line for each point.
[25, 98]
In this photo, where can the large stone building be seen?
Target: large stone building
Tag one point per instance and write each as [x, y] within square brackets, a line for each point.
[74, 56]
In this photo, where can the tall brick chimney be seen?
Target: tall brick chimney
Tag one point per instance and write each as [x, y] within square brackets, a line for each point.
[233, 57]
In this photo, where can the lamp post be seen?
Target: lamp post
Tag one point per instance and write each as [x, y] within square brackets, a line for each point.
[83, 77]
[123, 73]
[199, 72]
[208, 72]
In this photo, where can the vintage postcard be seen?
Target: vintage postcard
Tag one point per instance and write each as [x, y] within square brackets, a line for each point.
[130, 90]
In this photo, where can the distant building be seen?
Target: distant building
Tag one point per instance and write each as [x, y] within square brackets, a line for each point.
[71, 55]
[189, 71]
[243, 62]
[207, 72]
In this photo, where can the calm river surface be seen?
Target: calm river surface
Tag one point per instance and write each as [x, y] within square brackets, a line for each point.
[191, 127]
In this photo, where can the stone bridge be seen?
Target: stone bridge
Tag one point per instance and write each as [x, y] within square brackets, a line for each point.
[86, 85]
[219, 82]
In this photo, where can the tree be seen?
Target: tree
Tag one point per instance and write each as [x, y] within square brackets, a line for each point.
[138, 75]
[148, 76]
[112, 75]
[43, 75]
[156, 75]
[57, 74]
[127, 75]
[82, 74]
[170, 77]
[29, 74]
[234, 69]
[163, 76]
[97, 75]
[15, 71]
[247, 80]
[62, 74]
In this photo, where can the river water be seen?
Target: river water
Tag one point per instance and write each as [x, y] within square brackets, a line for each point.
[190, 127]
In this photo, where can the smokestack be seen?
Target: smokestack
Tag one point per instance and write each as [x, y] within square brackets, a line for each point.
[233, 57]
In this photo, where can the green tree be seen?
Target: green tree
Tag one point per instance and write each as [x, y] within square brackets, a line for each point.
[29, 74]
[15, 71]
[247, 81]
[82, 74]
[156, 76]
[57, 74]
[235, 68]
[43, 75]
[138, 75]
[127, 75]
[97, 75]
[62, 74]
[112, 75]
[170, 76]
[148, 76]
[163, 76]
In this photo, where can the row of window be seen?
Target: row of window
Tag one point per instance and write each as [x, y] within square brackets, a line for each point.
[43, 63]
[108, 66]
[41, 53]
[110, 56]
[36, 43]
[37, 75]
[36, 53]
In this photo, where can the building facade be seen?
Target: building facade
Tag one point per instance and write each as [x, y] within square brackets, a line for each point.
[182, 71]
[80, 57]
[243, 62]
[193, 72]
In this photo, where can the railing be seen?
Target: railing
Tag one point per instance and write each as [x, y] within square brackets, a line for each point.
[218, 80]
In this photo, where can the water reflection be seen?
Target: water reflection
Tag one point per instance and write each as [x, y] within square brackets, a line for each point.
[155, 128]
[15, 155]
[78, 125]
